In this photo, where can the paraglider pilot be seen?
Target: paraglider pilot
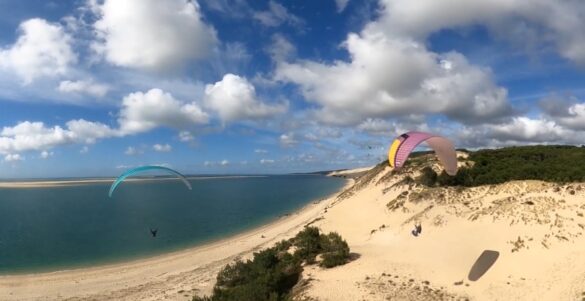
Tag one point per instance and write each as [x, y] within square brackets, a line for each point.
[153, 232]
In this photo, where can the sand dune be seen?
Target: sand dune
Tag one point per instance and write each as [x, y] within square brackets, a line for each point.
[535, 227]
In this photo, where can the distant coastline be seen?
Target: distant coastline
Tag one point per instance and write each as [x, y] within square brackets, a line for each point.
[34, 183]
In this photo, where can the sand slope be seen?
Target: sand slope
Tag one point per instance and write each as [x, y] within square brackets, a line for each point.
[536, 228]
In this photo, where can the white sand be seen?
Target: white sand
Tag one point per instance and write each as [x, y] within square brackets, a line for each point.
[176, 276]
[348, 172]
[395, 265]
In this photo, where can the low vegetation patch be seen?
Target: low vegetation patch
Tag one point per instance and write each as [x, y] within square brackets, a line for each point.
[273, 272]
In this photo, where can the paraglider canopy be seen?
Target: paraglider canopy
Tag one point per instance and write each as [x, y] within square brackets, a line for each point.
[147, 168]
[404, 144]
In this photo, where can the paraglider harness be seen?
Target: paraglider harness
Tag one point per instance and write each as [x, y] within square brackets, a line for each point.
[417, 230]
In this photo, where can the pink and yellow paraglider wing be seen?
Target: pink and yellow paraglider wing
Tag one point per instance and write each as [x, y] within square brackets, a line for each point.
[392, 151]
[403, 145]
[445, 152]
[410, 141]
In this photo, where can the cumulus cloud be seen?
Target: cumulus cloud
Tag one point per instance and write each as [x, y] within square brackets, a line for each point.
[566, 111]
[186, 136]
[142, 112]
[13, 158]
[162, 148]
[42, 49]
[391, 71]
[341, 4]
[518, 130]
[528, 130]
[27, 135]
[46, 154]
[133, 151]
[83, 87]
[234, 98]
[277, 15]
[266, 161]
[280, 49]
[540, 22]
[151, 34]
[224, 162]
[288, 140]
[390, 77]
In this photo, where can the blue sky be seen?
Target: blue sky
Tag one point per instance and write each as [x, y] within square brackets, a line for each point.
[91, 87]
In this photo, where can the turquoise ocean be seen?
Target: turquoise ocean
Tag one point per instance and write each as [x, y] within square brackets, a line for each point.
[54, 228]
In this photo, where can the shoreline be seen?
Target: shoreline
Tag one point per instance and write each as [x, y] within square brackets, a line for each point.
[174, 271]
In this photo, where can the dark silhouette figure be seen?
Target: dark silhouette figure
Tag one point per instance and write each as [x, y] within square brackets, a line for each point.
[153, 232]
[417, 230]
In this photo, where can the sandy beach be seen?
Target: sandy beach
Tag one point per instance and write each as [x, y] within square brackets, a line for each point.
[174, 276]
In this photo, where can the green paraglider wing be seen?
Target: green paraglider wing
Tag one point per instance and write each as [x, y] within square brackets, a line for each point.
[140, 169]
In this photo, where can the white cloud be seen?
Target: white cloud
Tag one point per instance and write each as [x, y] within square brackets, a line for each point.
[46, 154]
[532, 22]
[234, 98]
[567, 112]
[386, 128]
[224, 162]
[162, 148]
[152, 34]
[260, 151]
[13, 158]
[281, 49]
[28, 135]
[142, 112]
[266, 161]
[186, 136]
[288, 140]
[133, 151]
[341, 4]
[84, 149]
[528, 130]
[519, 130]
[83, 87]
[88, 132]
[43, 49]
[393, 77]
[277, 15]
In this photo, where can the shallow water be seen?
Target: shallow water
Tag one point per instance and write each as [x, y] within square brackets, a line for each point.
[46, 229]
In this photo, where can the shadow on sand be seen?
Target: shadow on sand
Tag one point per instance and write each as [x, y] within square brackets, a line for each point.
[483, 263]
[354, 256]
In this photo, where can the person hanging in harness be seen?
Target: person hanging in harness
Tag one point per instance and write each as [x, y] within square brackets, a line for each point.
[417, 229]
[153, 232]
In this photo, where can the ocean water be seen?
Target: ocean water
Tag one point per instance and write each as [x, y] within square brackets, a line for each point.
[47, 229]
